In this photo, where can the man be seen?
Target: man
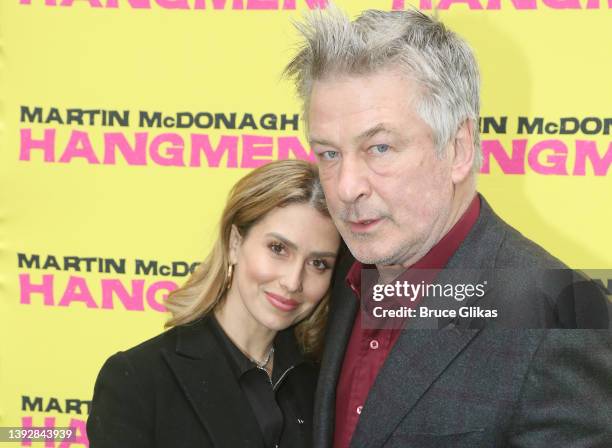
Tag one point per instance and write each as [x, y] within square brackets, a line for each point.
[391, 102]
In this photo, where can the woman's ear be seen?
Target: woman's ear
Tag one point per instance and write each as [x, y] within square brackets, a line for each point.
[234, 244]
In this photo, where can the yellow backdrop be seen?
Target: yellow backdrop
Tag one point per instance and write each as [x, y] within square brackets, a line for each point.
[123, 124]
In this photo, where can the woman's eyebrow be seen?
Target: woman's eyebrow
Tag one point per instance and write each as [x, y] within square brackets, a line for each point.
[294, 246]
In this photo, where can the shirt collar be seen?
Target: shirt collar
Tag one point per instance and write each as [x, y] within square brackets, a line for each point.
[438, 256]
[286, 350]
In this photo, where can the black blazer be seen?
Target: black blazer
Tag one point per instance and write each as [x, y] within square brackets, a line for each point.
[177, 390]
[464, 385]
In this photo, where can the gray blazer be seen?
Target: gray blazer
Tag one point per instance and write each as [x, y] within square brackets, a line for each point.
[465, 384]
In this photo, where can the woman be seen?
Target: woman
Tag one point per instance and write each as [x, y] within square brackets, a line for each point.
[234, 370]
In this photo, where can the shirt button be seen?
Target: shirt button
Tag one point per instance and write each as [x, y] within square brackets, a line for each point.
[359, 408]
[373, 344]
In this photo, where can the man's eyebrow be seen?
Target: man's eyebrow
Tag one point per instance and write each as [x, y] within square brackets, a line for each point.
[293, 246]
[320, 141]
[380, 127]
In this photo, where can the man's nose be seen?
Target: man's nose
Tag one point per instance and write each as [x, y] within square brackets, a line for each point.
[352, 180]
[292, 277]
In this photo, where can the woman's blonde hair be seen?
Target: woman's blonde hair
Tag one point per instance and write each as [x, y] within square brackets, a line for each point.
[276, 184]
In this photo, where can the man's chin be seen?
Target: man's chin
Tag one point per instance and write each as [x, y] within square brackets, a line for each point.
[368, 253]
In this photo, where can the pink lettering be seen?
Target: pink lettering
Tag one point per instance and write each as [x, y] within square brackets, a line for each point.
[509, 165]
[47, 144]
[555, 162]
[472, 4]
[133, 156]
[173, 4]
[588, 149]
[136, 4]
[26, 422]
[255, 146]
[80, 435]
[562, 4]
[27, 288]
[227, 143]
[77, 291]
[262, 4]
[312, 4]
[175, 153]
[293, 144]
[47, 2]
[92, 3]
[518, 4]
[168, 286]
[79, 145]
[131, 302]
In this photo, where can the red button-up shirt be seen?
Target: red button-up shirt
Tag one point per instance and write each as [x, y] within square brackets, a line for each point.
[368, 348]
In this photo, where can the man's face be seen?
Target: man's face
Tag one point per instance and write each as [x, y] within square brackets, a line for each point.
[388, 192]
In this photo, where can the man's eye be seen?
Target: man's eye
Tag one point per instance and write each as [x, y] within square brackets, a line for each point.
[379, 149]
[329, 155]
[277, 248]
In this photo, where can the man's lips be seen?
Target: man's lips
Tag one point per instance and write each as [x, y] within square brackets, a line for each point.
[363, 225]
[281, 303]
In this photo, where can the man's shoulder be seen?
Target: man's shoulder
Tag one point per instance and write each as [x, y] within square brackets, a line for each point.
[513, 249]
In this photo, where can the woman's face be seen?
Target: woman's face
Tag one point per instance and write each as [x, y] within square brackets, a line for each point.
[283, 266]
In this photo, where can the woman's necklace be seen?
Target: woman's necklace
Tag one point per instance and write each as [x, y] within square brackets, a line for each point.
[265, 362]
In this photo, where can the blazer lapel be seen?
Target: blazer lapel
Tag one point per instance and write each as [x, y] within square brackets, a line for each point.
[212, 389]
[343, 308]
[416, 360]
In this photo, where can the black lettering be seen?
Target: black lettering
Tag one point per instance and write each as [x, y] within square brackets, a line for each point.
[73, 405]
[72, 263]
[74, 115]
[551, 128]
[525, 127]
[227, 124]
[31, 116]
[118, 267]
[569, 125]
[51, 261]
[584, 126]
[169, 122]
[123, 118]
[184, 120]
[30, 263]
[268, 121]
[28, 405]
[54, 116]
[293, 121]
[146, 268]
[180, 269]
[204, 124]
[53, 405]
[150, 121]
[249, 121]
[164, 270]
[499, 127]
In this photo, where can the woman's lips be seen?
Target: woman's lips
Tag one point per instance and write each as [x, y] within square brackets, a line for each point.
[364, 225]
[280, 302]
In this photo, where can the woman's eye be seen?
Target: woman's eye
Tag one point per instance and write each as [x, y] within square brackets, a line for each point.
[277, 248]
[380, 149]
[320, 265]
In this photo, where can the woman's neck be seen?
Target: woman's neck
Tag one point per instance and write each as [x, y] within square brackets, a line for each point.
[253, 338]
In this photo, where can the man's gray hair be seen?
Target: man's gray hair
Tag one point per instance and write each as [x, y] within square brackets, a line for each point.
[439, 60]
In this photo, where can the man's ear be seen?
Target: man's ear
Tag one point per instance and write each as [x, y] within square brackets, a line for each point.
[234, 244]
[463, 152]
